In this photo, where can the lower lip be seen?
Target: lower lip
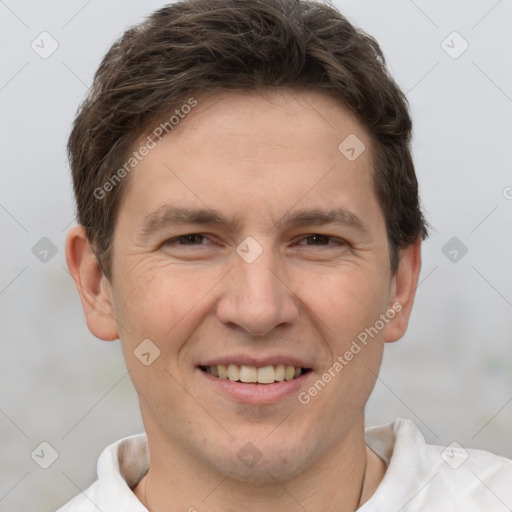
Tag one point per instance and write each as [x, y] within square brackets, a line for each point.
[257, 394]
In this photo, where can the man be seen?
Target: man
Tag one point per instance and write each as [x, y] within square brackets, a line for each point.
[250, 229]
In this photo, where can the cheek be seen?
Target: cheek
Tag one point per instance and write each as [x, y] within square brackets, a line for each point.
[165, 304]
[153, 299]
[344, 303]
[345, 311]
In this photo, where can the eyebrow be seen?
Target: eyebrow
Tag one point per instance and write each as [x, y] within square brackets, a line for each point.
[176, 216]
[316, 216]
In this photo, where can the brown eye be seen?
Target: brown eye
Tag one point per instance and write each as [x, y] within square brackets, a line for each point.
[191, 239]
[317, 239]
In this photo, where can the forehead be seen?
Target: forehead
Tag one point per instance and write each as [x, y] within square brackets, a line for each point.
[277, 149]
[262, 124]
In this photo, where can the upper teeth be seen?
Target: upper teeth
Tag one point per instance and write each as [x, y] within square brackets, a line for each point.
[264, 375]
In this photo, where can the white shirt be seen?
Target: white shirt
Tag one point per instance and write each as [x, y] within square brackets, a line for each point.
[419, 477]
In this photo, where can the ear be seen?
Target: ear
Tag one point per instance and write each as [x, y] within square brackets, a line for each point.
[403, 291]
[93, 287]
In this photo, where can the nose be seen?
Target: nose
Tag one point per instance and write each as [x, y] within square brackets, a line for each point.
[258, 297]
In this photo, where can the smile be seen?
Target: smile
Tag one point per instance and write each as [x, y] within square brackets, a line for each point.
[253, 375]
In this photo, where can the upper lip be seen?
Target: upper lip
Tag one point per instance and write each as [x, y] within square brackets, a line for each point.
[258, 361]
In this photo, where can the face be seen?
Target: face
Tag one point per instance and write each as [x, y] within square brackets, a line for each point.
[247, 238]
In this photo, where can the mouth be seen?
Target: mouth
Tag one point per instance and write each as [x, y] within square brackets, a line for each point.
[246, 374]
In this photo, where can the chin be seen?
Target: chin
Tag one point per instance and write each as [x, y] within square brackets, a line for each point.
[268, 466]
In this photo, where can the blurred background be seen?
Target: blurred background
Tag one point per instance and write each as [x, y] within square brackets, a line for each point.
[451, 374]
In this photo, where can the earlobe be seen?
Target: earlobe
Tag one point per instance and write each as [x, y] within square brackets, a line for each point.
[404, 290]
[93, 287]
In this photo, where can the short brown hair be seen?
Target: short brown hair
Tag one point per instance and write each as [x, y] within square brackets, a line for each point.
[202, 46]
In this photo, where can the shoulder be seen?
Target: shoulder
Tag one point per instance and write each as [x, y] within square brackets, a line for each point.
[85, 501]
[426, 477]
[120, 467]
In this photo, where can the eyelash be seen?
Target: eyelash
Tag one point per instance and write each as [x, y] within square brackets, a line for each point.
[339, 241]
[171, 240]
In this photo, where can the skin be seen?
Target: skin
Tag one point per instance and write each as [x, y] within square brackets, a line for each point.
[255, 158]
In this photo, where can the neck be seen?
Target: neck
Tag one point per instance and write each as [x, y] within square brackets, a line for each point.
[341, 481]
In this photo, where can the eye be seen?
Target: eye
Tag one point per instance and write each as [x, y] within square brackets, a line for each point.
[192, 247]
[189, 239]
[317, 239]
